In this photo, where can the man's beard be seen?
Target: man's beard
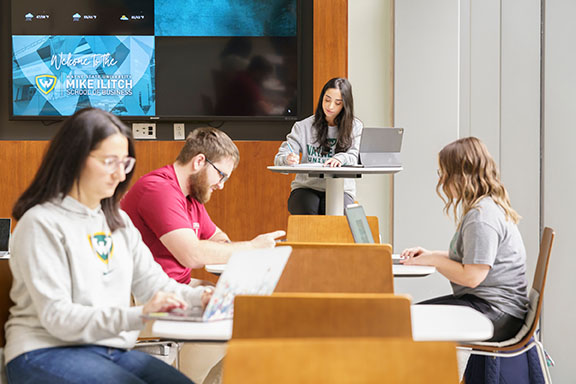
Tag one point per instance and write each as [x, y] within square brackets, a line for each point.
[199, 188]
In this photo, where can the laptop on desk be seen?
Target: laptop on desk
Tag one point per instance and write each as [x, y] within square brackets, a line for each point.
[252, 272]
[5, 227]
[360, 229]
[380, 147]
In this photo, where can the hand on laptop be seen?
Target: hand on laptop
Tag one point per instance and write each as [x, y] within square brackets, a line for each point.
[207, 295]
[417, 256]
[163, 302]
[332, 163]
[267, 240]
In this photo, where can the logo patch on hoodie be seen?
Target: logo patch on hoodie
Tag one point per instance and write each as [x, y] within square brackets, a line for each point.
[102, 245]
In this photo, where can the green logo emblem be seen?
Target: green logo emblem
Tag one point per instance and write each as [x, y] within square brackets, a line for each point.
[102, 244]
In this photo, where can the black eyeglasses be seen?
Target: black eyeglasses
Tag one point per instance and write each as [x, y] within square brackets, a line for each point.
[223, 177]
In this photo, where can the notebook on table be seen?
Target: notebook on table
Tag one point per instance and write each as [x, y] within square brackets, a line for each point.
[5, 227]
[360, 229]
[252, 272]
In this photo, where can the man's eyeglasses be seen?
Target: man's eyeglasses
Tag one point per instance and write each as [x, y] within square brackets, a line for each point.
[223, 177]
[112, 163]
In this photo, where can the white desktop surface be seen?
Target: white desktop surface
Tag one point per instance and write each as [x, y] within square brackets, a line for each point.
[334, 180]
[398, 270]
[220, 330]
[449, 323]
[331, 171]
[429, 323]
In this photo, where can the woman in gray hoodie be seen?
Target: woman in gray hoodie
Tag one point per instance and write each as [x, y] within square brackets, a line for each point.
[330, 137]
[76, 259]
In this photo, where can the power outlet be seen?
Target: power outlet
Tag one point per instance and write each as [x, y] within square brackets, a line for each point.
[179, 131]
[144, 130]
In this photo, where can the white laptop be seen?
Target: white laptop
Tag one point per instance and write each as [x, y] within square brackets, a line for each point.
[360, 229]
[5, 227]
[252, 272]
[380, 147]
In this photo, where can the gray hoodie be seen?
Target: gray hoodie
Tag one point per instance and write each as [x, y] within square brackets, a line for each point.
[302, 139]
[73, 280]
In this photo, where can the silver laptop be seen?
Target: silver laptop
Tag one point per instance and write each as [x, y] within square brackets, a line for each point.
[5, 227]
[380, 147]
[251, 272]
[359, 227]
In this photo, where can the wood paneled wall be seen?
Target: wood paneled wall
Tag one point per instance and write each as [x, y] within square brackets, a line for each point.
[18, 165]
[330, 42]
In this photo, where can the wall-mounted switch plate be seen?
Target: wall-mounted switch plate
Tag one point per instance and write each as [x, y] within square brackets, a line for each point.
[179, 130]
[144, 130]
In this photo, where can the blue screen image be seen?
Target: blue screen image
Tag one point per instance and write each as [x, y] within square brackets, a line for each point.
[58, 75]
[225, 18]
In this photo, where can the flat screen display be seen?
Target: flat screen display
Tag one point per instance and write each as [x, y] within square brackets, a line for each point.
[200, 59]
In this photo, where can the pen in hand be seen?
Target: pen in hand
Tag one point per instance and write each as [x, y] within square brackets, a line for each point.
[292, 157]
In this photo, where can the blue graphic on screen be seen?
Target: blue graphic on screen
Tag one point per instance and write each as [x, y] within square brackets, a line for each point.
[58, 75]
[225, 18]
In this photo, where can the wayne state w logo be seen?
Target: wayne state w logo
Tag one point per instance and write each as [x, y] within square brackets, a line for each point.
[102, 244]
[45, 83]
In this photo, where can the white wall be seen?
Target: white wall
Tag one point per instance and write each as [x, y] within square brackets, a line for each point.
[426, 105]
[370, 30]
[559, 202]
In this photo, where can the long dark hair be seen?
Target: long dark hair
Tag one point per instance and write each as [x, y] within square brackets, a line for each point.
[344, 120]
[65, 159]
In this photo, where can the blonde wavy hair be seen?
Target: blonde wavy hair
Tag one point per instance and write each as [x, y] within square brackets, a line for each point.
[467, 174]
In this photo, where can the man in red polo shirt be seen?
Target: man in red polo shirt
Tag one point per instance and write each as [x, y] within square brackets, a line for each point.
[167, 206]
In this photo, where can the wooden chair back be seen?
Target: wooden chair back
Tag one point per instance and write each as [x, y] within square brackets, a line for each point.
[339, 361]
[539, 282]
[325, 229]
[344, 268]
[284, 315]
[5, 302]
[543, 260]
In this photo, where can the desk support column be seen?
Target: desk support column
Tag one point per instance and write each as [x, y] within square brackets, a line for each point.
[334, 196]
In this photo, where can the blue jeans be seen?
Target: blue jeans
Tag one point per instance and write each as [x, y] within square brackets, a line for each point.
[90, 364]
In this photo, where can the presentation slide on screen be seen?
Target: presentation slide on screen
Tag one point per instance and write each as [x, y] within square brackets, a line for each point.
[58, 75]
[225, 18]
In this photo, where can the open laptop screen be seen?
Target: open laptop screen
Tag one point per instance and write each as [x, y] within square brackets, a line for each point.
[358, 224]
[380, 147]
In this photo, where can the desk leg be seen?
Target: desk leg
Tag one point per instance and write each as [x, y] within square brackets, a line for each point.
[334, 196]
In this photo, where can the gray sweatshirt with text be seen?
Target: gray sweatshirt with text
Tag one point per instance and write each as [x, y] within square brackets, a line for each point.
[302, 139]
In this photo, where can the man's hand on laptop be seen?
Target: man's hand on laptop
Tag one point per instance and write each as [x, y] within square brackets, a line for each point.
[267, 240]
[163, 302]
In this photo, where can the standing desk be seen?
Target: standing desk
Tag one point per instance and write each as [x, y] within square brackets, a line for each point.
[334, 180]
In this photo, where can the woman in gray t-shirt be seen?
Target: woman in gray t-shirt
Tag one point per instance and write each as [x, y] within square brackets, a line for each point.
[486, 263]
